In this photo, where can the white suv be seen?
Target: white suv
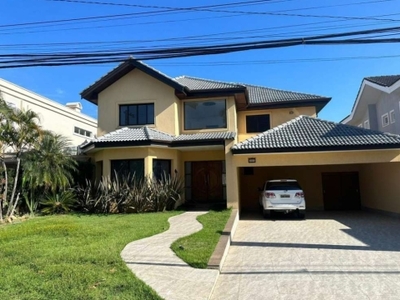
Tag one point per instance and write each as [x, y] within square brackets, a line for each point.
[282, 195]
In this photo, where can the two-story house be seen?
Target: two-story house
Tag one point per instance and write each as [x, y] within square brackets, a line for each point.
[226, 139]
[377, 105]
[67, 120]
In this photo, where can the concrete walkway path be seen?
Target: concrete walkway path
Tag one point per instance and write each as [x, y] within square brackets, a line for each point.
[152, 260]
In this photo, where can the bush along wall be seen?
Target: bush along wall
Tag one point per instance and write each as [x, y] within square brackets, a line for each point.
[128, 195]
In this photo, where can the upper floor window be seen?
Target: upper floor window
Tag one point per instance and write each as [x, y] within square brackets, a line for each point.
[136, 114]
[257, 123]
[83, 132]
[366, 124]
[385, 120]
[205, 114]
[392, 117]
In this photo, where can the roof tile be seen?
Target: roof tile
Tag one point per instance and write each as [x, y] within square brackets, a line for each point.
[307, 132]
[386, 80]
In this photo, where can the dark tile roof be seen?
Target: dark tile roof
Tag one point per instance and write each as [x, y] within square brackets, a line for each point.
[148, 134]
[257, 94]
[261, 95]
[135, 134]
[387, 80]
[91, 92]
[198, 84]
[217, 135]
[311, 134]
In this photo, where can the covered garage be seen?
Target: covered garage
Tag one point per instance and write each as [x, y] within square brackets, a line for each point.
[339, 167]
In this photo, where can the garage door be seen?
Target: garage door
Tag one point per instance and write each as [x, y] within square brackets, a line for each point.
[341, 191]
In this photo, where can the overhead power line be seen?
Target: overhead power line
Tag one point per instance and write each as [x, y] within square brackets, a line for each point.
[70, 58]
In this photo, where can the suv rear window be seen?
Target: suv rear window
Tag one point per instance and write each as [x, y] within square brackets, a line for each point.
[287, 186]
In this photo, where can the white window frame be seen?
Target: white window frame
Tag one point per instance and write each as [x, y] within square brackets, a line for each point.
[82, 132]
[360, 125]
[366, 124]
[392, 117]
[383, 117]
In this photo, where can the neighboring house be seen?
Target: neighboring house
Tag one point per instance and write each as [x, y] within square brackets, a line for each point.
[225, 139]
[377, 105]
[66, 120]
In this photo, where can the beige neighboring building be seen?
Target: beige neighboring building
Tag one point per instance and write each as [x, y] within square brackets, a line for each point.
[226, 139]
[66, 120]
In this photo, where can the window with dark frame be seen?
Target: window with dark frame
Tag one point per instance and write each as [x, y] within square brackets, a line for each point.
[209, 114]
[136, 114]
[257, 123]
[161, 167]
[127, 167]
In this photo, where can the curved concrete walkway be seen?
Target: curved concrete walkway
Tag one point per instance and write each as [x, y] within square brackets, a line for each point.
[152, 260]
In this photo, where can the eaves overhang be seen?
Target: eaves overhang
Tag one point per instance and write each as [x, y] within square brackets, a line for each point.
[91, 93]
[316, 149]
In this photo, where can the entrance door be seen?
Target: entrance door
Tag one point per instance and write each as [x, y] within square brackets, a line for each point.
[341, 191]
[207, 181]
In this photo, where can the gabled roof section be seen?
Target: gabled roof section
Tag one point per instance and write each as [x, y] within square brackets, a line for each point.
[257, 95]
[307, 134]
[145, 136]
[386, 80]
[91, 93]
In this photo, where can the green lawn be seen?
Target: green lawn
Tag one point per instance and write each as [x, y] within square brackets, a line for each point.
[74, 257]
[197, 248]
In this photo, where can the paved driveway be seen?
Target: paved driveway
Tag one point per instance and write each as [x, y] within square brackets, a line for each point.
[352, 255]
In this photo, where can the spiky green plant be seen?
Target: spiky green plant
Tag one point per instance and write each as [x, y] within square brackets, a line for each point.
[57, 203]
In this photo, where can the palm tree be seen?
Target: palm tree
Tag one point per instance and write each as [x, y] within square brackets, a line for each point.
[19, 130]
[48, 165]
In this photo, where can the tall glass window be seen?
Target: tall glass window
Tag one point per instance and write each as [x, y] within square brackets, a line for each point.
[205, 114]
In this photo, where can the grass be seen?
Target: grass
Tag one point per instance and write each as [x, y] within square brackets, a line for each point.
[197, 248]
[74, 257]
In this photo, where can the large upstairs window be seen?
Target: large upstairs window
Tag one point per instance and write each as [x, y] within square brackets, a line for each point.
[136, 114]
[257, 123]
[205, 114]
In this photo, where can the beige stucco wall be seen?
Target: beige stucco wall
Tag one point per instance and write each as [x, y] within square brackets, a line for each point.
[381, 186]
[53, 115]
[146, 153]
[309, 178]
[277, 117]
[134, 88]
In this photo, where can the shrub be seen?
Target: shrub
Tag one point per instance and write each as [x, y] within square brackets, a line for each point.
[56, 203]
[129, 194]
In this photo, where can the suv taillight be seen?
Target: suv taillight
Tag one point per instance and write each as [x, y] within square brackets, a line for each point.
[299, 195]
[270, 195]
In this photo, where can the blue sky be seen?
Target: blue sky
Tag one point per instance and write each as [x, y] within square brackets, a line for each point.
[296, 68]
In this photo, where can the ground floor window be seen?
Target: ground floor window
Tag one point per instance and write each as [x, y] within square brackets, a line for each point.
[161, 167]
[124, 167]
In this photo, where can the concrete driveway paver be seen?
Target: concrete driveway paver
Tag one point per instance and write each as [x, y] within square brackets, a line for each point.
[338, 255]
[152, 260]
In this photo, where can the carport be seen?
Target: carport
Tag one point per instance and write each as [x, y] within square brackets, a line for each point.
[339, 167]
[329, 187]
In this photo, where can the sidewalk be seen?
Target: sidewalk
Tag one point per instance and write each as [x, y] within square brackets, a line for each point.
[152, 260]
